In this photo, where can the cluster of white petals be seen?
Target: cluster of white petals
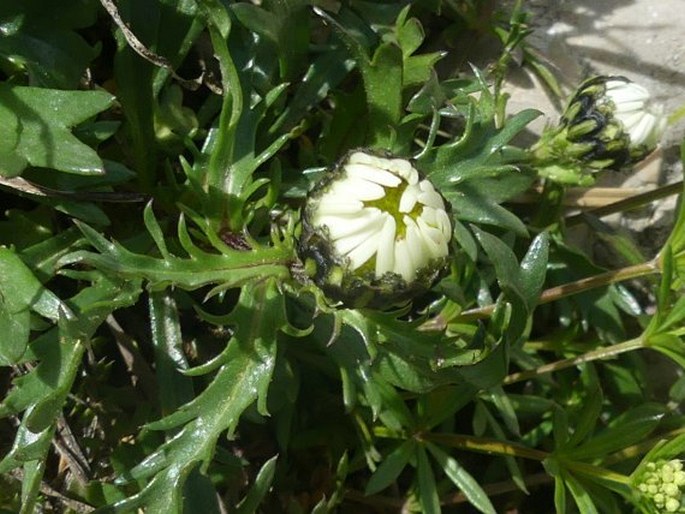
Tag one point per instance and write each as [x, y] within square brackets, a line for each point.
[378, 208]
[642, 119]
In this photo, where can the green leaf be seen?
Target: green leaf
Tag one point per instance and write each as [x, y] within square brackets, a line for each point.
[259, 489]
[476, 207]
[670, 345]
[383, 85]
[512, 465]
[428, 492]
[15, 329]
[243, 379]
[587, 417]
[559, 495]
[48, 384]
[230, 269]
[463, 480]
[30, 485]
[42, 118]
[482, 152]
[505, 409]
[41, 36]
[27, 446]
[325, 72]
[625, 430]
[534, 270]
[170, 361]
[664, 449]
[259, 316]
[391, 467]
[504, 260]
[42, 257]
[20, 293]
[580, 495]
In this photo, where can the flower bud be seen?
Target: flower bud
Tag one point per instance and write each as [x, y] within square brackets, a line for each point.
[662, 486]
[374, 233]
[609, 123]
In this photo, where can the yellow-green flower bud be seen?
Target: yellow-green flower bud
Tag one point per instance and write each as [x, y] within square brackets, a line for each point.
[374, 233]
[662, 486]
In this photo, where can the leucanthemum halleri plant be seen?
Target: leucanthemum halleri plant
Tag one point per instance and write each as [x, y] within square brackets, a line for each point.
[609, 123]
[374, 233]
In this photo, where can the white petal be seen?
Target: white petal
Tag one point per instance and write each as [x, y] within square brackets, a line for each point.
[328, 207]
[385, 258]
[356, 189]
[363, 252]
[429, 215]
[432, 199]
[403, 265]
[363, 158]
[630, 120]
[615, 84]
[435, 242]
[415, 246]
[408, 199]
[346, 244]
[373, 174]
[363, 222]
[641, 132]
[627, 92]
[627, 107]
[412, 177]
[401, 167]
[444, 224]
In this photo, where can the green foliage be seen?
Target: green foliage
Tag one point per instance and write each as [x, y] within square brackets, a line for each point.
[158, 324]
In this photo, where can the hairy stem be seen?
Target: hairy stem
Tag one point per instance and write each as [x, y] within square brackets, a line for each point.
[584, 284]
[598, 354]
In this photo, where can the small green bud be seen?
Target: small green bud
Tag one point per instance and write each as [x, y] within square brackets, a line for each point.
[672, 505]
[374, 231]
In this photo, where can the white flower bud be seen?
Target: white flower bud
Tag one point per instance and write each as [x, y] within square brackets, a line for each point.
[376, 232]
[642, 119]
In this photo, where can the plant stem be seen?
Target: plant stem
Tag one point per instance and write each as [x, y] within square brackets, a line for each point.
[485, 445]
[598, 354]
[571, 288]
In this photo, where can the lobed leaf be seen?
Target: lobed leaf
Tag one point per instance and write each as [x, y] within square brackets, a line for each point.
[42, 119]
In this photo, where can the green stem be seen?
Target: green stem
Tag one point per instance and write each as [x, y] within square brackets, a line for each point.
[598, 354]
[602, 474]
[556, 293]
[485, 445]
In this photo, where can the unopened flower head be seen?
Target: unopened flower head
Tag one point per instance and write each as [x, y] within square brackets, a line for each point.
[617, 117]
[609, 123]
[375, 232]
[661, 486]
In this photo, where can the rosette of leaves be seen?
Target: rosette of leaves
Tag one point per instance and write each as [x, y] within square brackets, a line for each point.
[185, 317]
